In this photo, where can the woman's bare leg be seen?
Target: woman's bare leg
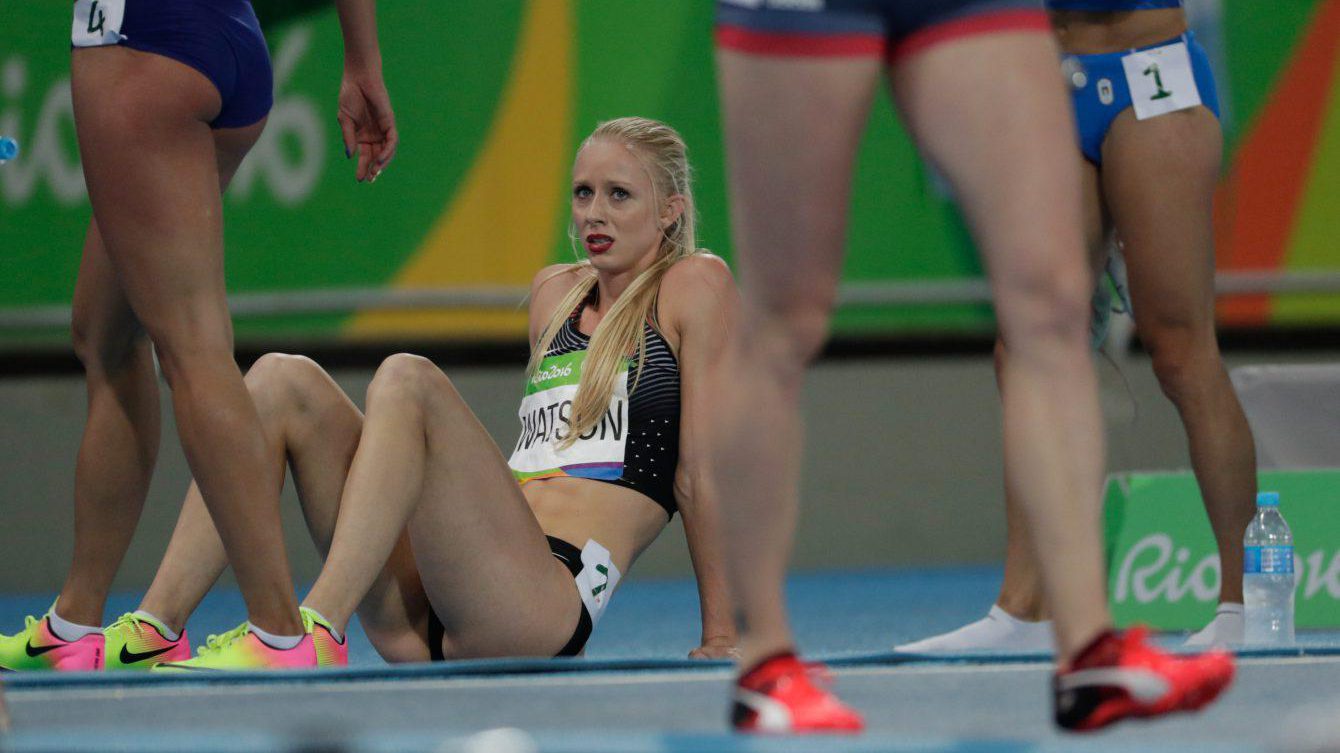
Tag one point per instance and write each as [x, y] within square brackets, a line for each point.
[308, 424]
[792, 128]
[1021, 587]
[150, 164]
[995, 136]
[1159, 177]
[425, 460]
[121, 435]
[120, 442]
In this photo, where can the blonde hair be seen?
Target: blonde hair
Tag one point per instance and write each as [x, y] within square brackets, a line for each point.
[621, 333]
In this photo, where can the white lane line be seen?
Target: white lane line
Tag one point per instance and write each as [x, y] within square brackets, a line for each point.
[18, 696]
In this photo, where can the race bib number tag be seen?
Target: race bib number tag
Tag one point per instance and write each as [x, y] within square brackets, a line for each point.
[1161, 80]
[597, 580]
[546, 421]
[97, 22]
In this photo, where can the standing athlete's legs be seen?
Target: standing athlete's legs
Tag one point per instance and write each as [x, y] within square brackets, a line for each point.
[792, 129]
[990, 111]
[1159, 177]
[1019, 618]
[153, 180]
[120, 443]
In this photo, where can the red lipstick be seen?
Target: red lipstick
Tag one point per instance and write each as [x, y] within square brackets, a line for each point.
[597, 243]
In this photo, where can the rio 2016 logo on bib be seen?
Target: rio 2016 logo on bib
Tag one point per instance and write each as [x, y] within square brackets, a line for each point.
[546, 422]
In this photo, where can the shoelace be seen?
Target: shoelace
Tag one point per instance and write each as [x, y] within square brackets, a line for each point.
[127, 618]
[216, 643]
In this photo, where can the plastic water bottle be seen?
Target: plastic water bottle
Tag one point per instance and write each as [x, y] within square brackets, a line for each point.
[1268, 577]
[9, 149]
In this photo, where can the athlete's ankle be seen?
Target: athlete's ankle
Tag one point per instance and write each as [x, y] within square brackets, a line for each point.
[758, 646]
[80, 607]
[173, 618]
[749, 671]
[1026, 609]
[69, 630]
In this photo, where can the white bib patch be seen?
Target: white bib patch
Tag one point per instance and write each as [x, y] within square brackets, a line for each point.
[597, 580]
[546, 413]
[97, 22]
[1161, 80]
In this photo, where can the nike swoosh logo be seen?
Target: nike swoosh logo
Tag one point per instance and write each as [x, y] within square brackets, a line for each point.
[1142, 685]
[130, 658]
[39, 650]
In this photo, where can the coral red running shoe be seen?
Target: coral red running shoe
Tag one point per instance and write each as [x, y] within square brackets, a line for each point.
[780, 696]
[1121, 676]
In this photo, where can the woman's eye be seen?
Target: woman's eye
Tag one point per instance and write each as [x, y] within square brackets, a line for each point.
[619, 193]
[581, 192]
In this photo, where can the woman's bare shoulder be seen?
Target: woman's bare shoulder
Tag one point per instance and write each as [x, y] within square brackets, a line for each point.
[697, 289]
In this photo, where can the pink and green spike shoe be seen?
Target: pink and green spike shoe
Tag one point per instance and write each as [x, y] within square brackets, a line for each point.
[329, 651]
[36, 647]
[136, 641]
[240, 649]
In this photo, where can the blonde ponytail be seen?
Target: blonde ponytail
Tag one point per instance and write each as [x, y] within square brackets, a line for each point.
[621, 334]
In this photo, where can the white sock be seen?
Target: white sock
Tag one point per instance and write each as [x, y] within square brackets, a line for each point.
[69, 631]
[339, 638]
[998, 631]
[162, 627]
[1226, 629]
[277, 642]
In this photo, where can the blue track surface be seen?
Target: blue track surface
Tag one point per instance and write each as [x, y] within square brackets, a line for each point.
[637, 692]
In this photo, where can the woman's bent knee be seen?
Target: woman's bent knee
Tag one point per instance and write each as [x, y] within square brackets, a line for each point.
[403, 376]
[288, 380]
[281, 371]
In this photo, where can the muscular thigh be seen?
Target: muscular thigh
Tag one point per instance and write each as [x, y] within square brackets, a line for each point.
[481, 554]
[792, 129]
[1158, 179]
[153, 177]
[990, 112]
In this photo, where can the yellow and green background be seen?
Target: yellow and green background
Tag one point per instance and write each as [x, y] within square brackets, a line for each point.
[493, 96]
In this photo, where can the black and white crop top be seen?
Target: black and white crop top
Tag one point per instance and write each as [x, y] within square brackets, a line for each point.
[635, 444]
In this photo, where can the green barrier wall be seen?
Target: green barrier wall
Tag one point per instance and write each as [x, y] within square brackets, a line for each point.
[493, 96]
[1163, 567]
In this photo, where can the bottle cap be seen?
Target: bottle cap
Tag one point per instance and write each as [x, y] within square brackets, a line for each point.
[1268, 499]
[9, 148]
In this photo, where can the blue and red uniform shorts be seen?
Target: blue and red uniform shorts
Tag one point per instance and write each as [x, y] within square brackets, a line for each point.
[889, 29]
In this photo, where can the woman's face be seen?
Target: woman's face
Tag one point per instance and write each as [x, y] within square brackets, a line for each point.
[614, 208]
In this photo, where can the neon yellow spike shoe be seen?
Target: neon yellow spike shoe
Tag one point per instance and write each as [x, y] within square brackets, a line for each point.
[330, 651]
[37, 647]
[137, 641]
[240, 649]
